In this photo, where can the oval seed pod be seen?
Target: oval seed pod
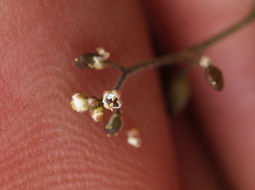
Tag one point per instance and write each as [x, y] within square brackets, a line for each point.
[214, 77]
[113, 125]
[85, 60]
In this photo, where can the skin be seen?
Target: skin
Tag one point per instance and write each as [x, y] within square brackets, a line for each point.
[46, 145]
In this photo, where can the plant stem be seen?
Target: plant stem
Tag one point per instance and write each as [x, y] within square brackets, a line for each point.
[121, 80]
[188, 53]
[118, 67]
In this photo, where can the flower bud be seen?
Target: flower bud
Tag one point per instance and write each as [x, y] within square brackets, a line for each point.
[97, 113]
[113, 125]
[93, 102]
[133, 138]
[79, 103]
[214, 77]
[111, 99]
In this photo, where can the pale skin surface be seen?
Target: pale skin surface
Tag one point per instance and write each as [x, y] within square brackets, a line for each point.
[46, 145]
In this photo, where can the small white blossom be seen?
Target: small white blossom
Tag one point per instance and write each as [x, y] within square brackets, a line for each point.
[98, 63]
[111, 100]
[104, 54]
[205, 61]
[133, 138]
[79, 103]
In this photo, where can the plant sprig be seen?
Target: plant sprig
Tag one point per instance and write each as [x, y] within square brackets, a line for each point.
[112, 98]
[190, 53]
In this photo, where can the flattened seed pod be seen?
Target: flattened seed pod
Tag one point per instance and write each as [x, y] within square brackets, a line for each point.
[114, 124]
[214, 77]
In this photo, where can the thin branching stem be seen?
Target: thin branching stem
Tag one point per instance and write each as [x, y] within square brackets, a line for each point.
[120, 81]
[183, 55]
[118, 67]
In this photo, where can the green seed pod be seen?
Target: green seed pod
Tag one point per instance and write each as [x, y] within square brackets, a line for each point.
[214, 77]
[114, 124]
[178, 93]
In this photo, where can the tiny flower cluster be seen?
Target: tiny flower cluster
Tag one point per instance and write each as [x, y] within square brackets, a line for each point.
[97, 60]
[111, 100]
[82, 104]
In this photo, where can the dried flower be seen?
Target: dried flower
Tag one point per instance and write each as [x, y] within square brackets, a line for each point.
[205, 61]
[113, 125]
[214, 77]
[111, 99]
[97, 113]
[96, 61]
[79, 103]
[133, 138]
[104, 54]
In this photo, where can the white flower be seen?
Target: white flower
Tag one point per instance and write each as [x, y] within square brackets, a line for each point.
[111, 100]
[104, 54]
[205, 61]
[79, 103]
[133, 138]
[98, 63]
